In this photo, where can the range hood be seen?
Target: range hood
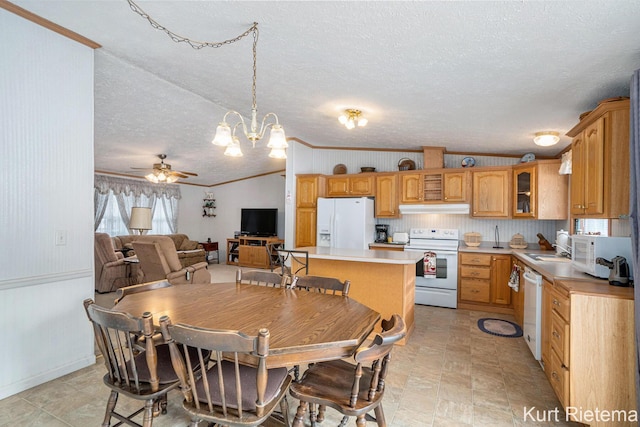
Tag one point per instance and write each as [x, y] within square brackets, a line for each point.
[438, 208]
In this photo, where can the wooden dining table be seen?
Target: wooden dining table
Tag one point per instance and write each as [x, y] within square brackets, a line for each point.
[304, 327]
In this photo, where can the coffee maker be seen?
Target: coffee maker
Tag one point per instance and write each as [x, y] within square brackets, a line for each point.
[382, 233]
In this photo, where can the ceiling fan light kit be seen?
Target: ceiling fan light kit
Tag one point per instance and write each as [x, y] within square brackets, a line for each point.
[546, 138]
[352, 117]
[161, 173]
[224, 137]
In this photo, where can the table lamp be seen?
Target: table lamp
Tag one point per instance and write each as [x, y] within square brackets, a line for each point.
[140, 219]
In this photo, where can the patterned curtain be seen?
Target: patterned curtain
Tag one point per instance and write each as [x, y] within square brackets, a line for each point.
[634, 202]
[130, 193]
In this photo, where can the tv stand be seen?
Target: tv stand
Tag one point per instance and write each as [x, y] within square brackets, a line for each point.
[250, 251]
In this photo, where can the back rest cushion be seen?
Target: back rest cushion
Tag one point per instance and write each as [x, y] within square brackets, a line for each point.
[104, 249]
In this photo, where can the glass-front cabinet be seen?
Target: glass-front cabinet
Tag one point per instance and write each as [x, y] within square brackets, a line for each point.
[524, 188]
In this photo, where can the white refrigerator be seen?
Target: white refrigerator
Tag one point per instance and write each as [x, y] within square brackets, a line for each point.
[345, 223]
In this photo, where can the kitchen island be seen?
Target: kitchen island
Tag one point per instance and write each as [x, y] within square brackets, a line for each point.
[382, 280]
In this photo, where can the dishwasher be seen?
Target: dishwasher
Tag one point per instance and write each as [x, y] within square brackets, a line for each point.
[533, 311]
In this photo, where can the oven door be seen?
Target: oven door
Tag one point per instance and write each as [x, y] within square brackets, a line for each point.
[446, 269]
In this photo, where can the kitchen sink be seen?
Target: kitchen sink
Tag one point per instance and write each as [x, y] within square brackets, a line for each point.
[548, 258]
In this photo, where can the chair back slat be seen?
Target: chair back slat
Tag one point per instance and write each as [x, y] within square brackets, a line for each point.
[325, 285]
[261, 278]
[232, 392]
[116, 334]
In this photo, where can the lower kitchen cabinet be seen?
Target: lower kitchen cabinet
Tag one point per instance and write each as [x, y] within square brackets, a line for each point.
[588, 349]
[482, 282]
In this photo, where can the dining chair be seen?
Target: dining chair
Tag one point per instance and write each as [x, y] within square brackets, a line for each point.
[228, 392]
[143, 287]
[354, 390]
[262, 278]
[140, 370]
[325, 285]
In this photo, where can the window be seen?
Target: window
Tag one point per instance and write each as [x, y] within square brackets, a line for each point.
[592, 226]
[113, 225]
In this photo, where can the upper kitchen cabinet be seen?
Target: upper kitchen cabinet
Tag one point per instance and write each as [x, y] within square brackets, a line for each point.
[386, 205]
[351, 185]
[435, 186]
[600, 157]
[308, 189]
[490, 193]
[539, 191]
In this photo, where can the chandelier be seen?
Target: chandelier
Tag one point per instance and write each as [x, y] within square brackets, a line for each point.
[352, 117]
[225, 136]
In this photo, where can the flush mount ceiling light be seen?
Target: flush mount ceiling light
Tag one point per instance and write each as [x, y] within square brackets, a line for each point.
[224, 136]
[352, 117]
[546, 138]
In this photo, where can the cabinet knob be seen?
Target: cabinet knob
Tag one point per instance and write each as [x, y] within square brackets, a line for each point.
[556, 335]
[555, 376]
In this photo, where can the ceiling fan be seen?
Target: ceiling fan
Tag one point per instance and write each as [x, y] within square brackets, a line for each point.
[162, 173]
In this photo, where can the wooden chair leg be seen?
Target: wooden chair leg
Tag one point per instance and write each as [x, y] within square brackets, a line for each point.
[284, 408]
[312, 415]
[321, 410]
[298, 420]
[361, 421]
[380, 416]
[147, 418]
[343, 422]
[163, 404]
[111, 404]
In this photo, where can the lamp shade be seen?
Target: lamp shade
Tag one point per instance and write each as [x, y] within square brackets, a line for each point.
[140, 219]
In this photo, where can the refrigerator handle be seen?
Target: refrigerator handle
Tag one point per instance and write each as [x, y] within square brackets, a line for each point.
[332, 230]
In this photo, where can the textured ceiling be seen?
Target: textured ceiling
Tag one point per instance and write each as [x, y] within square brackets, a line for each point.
[470, 76]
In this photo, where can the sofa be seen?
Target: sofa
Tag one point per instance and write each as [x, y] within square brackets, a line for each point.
[189, 251]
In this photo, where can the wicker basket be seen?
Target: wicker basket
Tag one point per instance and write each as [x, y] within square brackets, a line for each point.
[517, 242]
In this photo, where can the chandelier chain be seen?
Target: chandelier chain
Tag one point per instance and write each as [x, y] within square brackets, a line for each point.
[194, 43]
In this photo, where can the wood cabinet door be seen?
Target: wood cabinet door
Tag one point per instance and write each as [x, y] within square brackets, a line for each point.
[524, 192]
[386, 203]
[361, 185]
[305, 227]
[455, 186]
[500, 271]
[306, 191]
[337, 186]
[594, 183]
[411, 185]
[517, 298]
[491, 193]
[578, 165]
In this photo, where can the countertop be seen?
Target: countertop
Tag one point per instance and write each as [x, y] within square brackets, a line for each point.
[362, 255]
[551, 270]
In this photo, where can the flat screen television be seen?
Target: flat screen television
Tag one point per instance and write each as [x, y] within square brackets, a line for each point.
[261, 222]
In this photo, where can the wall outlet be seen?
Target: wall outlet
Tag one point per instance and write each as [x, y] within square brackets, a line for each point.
[61, 237]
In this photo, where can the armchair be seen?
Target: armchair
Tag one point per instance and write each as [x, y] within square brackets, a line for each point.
[159, 261]
[111, 270]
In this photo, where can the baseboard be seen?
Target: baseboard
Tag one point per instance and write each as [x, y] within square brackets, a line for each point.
[27, 383]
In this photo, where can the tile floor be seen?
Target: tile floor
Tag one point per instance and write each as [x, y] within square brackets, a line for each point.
[449, 374]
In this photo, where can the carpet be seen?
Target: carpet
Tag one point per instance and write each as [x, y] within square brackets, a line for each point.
[499, 327]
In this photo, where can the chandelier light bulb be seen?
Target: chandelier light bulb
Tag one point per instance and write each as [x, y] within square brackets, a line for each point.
[362, 122]
[223, 135]
[343, 119]
[233, 149]
[277, 138]
[278, 153]
[350, 124]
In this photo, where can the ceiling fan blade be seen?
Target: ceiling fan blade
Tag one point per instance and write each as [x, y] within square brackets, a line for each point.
[178, 174]
[143, 169]
[188, 173]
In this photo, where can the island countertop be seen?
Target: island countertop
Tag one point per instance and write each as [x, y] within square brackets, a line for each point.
[362, 255]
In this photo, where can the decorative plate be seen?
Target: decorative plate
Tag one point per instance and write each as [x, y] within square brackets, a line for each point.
[528, 157]
[339, 169]
[405, 164]
[468, 162]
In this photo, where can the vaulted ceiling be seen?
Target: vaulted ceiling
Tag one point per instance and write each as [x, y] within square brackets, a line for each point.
[471, 76]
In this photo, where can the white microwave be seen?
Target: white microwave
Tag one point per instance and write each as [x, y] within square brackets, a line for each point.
[585, 249]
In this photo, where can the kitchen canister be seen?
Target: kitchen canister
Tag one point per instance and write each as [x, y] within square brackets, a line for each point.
[562, 241]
